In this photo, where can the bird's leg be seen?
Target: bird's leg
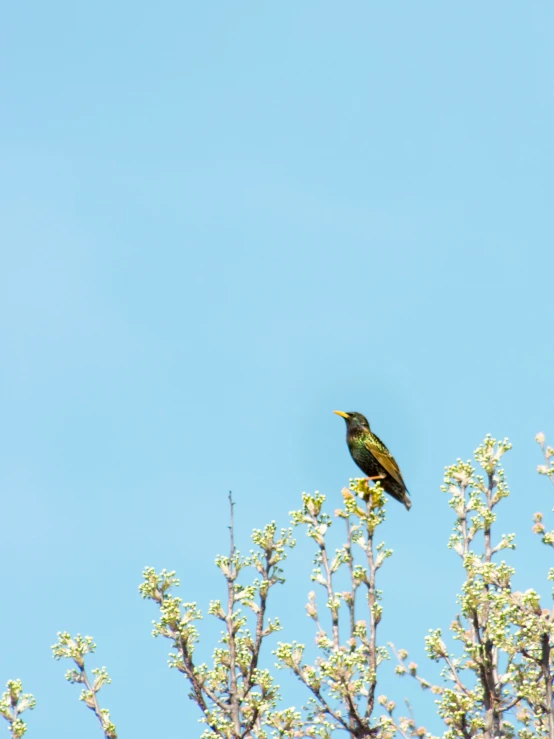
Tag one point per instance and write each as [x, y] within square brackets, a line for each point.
[376, 477]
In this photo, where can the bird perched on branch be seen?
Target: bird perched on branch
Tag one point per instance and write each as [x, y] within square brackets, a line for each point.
[373, 457]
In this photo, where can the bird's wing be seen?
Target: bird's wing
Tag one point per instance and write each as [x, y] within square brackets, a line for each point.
[385, 459]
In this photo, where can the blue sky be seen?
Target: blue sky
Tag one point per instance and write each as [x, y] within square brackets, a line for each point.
[219, 222]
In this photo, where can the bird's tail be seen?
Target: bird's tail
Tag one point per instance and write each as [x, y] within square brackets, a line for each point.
[398, 492]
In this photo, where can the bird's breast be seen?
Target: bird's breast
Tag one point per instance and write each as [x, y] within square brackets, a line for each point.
[364, 458]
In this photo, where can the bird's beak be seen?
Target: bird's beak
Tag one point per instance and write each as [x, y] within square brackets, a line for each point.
[342, 413]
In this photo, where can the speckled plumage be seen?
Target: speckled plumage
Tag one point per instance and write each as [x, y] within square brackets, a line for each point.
[373, 457]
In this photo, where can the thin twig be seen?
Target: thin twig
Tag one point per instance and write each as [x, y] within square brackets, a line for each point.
[94, 705]
[330, 593]
[455, 675]
[231, 577]
[371, 601]
[260, 620]
[352, 600]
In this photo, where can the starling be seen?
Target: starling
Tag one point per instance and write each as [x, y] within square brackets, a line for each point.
[373, 457]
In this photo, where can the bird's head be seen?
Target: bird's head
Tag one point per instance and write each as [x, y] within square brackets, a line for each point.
[354, 421]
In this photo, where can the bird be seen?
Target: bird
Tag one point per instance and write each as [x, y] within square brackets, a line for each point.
[373, 457]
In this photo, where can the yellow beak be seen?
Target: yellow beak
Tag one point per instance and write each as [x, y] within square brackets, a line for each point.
[342, 413]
